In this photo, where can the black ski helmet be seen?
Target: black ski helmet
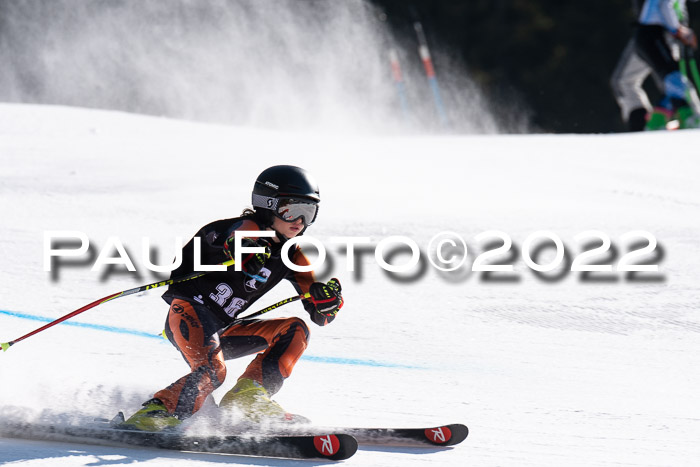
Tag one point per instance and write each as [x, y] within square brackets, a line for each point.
[283, 182]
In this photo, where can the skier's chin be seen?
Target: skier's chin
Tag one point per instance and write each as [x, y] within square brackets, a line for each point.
[287, 230]
[286, 234]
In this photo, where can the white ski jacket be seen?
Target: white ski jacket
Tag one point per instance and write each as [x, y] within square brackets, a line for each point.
[663, 13]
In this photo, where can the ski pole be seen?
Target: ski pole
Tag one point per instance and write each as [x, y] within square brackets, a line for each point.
[177, 280]
[398, 81]
[269, 308]
[689, 71]
[396, 73]
[427, 60]
[687, 64]
[692, 64]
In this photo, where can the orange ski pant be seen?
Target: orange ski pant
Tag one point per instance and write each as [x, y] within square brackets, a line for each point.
[198, 336]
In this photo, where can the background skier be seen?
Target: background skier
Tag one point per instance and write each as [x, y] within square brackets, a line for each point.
[285, 201]
[657, 20]
[627, 82]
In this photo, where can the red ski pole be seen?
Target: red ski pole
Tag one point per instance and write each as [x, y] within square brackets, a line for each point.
[177, 280]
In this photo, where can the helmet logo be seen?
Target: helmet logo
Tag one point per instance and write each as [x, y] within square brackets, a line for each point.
[270, 184]
[270, 203]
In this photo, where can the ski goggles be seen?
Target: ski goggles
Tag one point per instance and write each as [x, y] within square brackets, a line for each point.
[290, 210]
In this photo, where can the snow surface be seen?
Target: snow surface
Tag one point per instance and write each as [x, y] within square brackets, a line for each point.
[546, 371]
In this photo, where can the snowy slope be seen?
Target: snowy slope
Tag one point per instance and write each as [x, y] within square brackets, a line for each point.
[545, 371]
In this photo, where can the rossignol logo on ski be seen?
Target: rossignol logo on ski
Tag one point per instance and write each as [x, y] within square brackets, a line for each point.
[438, 435]
[327, 445]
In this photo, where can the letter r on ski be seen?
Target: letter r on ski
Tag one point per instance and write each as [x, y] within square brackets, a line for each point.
[438, 435]
[327, 445]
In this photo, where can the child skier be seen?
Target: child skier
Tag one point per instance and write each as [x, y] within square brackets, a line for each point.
[285, 201]
[657, 19]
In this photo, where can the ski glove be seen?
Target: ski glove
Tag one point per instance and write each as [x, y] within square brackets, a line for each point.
[251, 263]
[326, 297]
[687, 36]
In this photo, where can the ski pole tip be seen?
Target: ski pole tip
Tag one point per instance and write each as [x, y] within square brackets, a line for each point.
[5, 346]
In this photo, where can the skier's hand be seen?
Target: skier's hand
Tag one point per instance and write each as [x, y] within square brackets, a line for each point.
[251, 263]
[326, 297]
[687, 36]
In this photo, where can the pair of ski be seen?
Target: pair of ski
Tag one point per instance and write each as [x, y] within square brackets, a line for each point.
[296, 443]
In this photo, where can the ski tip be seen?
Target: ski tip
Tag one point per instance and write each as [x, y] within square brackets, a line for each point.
[5, 346]
[447, 435]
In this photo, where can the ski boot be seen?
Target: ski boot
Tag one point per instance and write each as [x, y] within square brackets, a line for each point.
[637, 119]
[687, 118]
[251, 398]
[658, 119]
[152, 417]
